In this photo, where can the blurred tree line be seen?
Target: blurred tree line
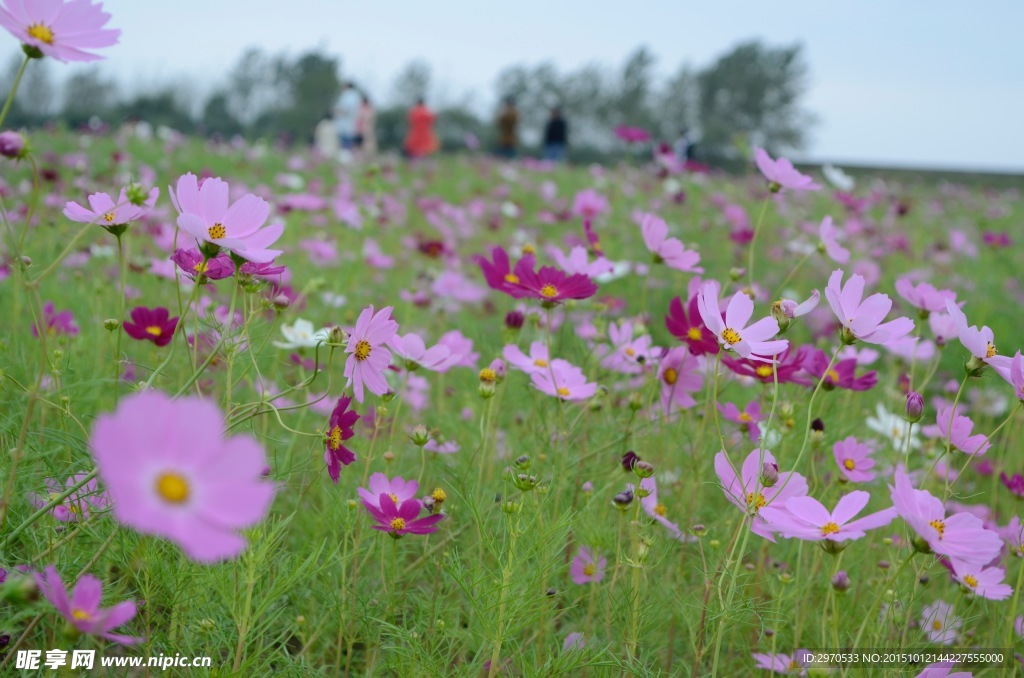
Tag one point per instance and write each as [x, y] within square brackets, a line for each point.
[749, 95]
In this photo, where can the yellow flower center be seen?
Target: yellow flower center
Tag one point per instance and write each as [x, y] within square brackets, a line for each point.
[660, 509]
[829, 528]
[589, 569]
[41, 32]
[745, 417]
[731, 336]
[529, 249]
[939, 526]
[757, 501]
[563, 391]
[549, 291]
[833, 375]
[540, 362]
[848, 464]
[200, 267]
[439, 495]
[487, 375]
[172, 487]
[971, 581]
[511, 278]
[217, 231]
[108, 217]
[81, 615]
[670, 376]
[334, 442]
[990, 351]
[398, 524]
[694, 334]
[153, 330]
[764, 371]
[363, 349]
[937, 625]
[630, 351]
[394, 497]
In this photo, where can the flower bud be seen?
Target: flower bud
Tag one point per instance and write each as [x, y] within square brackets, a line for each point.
[439, 495]
[389, 456]
[629, 460]
[769, 474]
[514, 320]
[643, 469]
[699, 530]
[623, 499]
[498, 367]
[420, 435]
[337, 336]
[486, 389]
[818, 426]
[522, 462]
[26, 261]
[636, 401]
[488, 376]
[12, 145]
[111, 324]
[974, 366]
[207, 625]
[841, 581]
[915, 407]
[137, 194]
[281, 302]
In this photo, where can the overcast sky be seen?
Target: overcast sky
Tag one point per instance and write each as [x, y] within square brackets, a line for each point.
[937, 83]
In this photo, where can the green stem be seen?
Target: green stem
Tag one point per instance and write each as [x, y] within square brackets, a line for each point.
[14, 89]
[53, 502]
[120, 319]
[753, 243]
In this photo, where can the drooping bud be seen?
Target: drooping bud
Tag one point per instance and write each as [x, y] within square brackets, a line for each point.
[841, 581]
[420, 436]
[623, 499]
[281, 302]
[111, 324]
[514, 320]
[915, 407]
[12, 145]
[629, 460]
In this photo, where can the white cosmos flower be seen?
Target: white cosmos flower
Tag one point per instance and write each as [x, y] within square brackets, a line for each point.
[892, 427]
[301, 334]
[838, 178]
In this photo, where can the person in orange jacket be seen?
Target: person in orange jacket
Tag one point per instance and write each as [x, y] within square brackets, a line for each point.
[421, 140]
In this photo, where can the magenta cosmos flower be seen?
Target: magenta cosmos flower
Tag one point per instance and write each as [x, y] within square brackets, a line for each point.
[105, 212]
[62, 30]
[842, 374]
[829, 235]
[961, 535]
[205, 214]
[788, 367]
[589, 204]
[170, 472]
[537, 361]
[668, 251]
[749, 493]
[679, 375]
[806, 518]
[498, 273]
[986, 582]
[752, 342]
[862, 318]
[77, 505]
[924, 296]
[854, 459]
[685, 324]
[747, 419]
[367, 357]
[399, 489]
[585, 568]
[549, 284]
[340, 428]
[82, 608]
[400, 520]
[151, 324]
[57, 323]
[415, 353]
[563, 380]
[981, 343]
[959, 434]
[781, 173]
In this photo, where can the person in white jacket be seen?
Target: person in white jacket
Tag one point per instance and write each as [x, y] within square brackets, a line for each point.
[346, 115]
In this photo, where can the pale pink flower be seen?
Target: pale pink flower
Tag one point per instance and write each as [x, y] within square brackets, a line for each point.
[754, 342]
[862, 318]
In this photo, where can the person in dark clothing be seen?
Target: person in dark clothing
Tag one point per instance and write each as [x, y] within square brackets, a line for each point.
[556, 136]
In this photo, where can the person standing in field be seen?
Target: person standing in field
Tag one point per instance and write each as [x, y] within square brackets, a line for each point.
[508, 121]
[556, 136]
[346, 111]
[325, 138]
[366, 127]
[421, 140]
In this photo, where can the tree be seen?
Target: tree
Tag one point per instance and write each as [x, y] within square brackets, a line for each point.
[754, 91]
[88, 94]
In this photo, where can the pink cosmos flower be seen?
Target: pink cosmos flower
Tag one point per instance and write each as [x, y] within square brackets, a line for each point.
[669, 251]
[986, 582]
[924, 296]
[685, 324]
[862, 319]
[829, 235]
[750, 495]
[1014, 374]
[854, 459]
[943, 670]
[573, 641]
[791, 309]
[204, 213]
[680, 376]
[961, 535]
[578, 261]
[59, 29]
[752, 342]
[460, 351]
[77, 505]
[784, 664]
[105, 212]
[589, 204]
[781, 173]
[170, 472]
[374, 255]
[82, 609]
[549, 284]
[57, 324]
[400, 520]
[629, 354]
[367, 357]
[747, 419]
[959, 435]
[563, 380]
[656, 510]
[399, 489]
[981, 343]
[537, 361]
[154, 325]
[585, 568]
[940, 623]
[340, 428]
[414, 352]
[190, 262]
[806, 518]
